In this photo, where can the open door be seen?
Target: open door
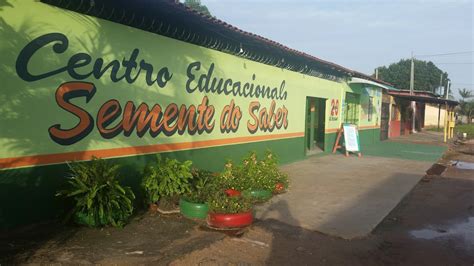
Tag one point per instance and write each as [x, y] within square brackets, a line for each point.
[315, 125]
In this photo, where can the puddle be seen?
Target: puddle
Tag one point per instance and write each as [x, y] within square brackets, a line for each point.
[463, 231]
[463, 165]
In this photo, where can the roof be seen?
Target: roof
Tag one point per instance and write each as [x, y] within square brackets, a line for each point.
[421, 96]
[355, 80]
[173, 19]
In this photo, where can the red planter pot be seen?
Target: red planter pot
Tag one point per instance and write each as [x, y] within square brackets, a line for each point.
[232, 192]
[279, 188]
[230, 220]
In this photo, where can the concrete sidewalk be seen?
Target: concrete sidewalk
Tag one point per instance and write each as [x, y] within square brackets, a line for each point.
[344, 197]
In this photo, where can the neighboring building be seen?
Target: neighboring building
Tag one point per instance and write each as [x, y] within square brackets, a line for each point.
[434, 115]
[401, 112]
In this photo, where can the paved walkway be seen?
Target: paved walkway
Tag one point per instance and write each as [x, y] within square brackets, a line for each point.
[423, 137]
[348, 197]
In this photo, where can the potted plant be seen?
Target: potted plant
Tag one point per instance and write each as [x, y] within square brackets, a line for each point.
[193, 204]
[270, 168]
[99, 198]
[229, 180]
[256, 178]
[229, 212]
[164, 182]
[281, 184]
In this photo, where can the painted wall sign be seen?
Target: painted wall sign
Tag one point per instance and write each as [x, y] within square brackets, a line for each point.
[334, 115]
[114, 118]
[75, 86]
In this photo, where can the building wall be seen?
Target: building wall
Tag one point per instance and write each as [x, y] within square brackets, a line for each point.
[57, 105]
[369, 124]
[431, 115]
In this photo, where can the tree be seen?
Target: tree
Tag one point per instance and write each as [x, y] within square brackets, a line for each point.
[197, 6]
[465, 93]
[427, 75]
[466, 107]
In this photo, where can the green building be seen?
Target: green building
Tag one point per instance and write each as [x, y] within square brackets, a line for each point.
[124, 80]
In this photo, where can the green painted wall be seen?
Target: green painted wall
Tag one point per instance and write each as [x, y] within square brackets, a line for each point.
[367, 137]
[30, 107]
[365, 91]
[27, 194]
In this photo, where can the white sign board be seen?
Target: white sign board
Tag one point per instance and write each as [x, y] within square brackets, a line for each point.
[351, 138]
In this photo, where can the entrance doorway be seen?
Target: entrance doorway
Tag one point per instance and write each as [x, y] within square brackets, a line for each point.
[315, 125]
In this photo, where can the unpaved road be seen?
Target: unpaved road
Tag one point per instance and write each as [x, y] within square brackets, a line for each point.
[433, 225]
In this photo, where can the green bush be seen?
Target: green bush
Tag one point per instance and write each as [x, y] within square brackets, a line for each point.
[221, 203]
[99, 198]
[271, 171]
[254, 174]
[168, 179]
[230, 178]
[203, 186]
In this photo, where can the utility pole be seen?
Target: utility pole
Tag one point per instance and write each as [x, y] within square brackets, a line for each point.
[412, 88]
[447, 115]
[439, 105]
[448, 85]
[441, 83]
[377, 73]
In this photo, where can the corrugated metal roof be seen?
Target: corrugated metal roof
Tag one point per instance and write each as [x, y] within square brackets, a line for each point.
[178, 21]
[421, 96]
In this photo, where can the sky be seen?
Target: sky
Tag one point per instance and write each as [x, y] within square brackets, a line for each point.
[364, 34]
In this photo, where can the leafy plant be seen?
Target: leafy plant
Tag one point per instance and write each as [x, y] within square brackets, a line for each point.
[229, 178]
[202, 186]
[271, 171]
[99, 198]
[260, 174]
[167, 179]
[221, 203]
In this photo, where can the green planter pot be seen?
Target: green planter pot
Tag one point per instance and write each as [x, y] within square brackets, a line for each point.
[258, 194]
[193, 210]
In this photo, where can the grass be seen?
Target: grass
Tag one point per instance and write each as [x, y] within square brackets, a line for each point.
[465, 128]
[434, 128]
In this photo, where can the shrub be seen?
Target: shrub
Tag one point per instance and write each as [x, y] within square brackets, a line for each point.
[260, 174]
[270, 169]
[229, 178]
[203, 185]
[221, 203]
[99, 198]
[256, 173]
[168, 179]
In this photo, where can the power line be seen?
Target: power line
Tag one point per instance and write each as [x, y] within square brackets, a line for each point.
[457, 83]
[458, 63]
[454, 53]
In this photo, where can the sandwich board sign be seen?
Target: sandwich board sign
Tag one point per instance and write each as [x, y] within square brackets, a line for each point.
[351, 139]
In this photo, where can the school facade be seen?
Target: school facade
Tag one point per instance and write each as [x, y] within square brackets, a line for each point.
[126, 80]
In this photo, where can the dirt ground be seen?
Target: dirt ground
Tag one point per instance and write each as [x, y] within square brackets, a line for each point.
[433, 225]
